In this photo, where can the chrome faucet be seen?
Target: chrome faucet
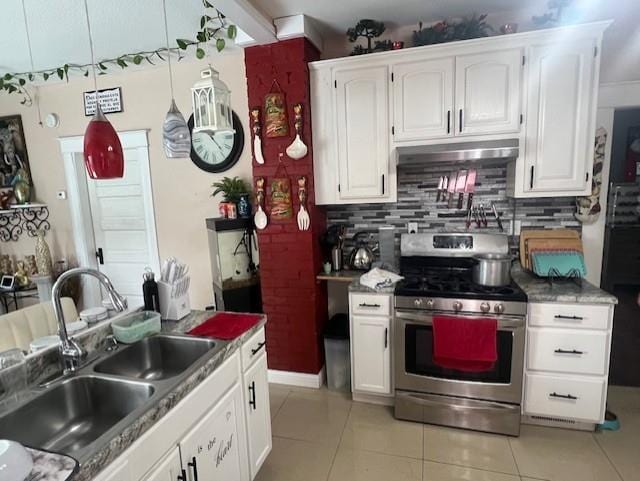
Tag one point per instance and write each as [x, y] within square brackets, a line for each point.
[71, 353]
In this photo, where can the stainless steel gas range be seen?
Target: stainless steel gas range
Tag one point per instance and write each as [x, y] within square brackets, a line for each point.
[438, 271]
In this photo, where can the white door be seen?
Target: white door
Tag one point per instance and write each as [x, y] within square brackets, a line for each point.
[256, 388]
[168, 469]
[371, 339]
[488, 92]
[362, 108]
[423, 99]
[214, 450]
[124, 226]
[559, 142]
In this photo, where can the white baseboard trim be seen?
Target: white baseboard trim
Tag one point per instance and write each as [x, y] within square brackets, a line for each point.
[299, 379]
[374, 399]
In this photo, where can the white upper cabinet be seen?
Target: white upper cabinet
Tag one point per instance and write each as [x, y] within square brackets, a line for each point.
[362, 123]
[423, 99]
[561, 109]
[488, 92]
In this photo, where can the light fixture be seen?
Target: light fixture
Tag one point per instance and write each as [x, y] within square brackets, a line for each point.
[103, 155]
[211, 99]
[175, 132]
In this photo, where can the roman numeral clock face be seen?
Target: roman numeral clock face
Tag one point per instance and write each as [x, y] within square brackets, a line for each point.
[219, 151]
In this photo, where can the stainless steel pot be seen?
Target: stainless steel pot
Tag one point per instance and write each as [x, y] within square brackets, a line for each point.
[492, 269]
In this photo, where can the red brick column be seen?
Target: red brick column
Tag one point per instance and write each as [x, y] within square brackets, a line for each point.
[295, 303]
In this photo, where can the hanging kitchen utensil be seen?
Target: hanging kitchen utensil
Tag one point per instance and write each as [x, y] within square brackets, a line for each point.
[257, 141]
[440, 186]
[445, 188]
[297, 149]
[461, 184]
[476, 216]
[483, 216]
[304, 221]
[281, 204]
[497, 216]
[276, 122]
[260, 218]
[452, 189]
[470, 188]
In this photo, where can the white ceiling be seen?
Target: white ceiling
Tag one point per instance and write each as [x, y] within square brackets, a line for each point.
[59, 33]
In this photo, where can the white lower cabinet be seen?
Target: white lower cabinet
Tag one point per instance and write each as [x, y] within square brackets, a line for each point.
[371, 344]
[258, 413]
[214, 450]
[221, 431]
[169, 469]
[567, 363]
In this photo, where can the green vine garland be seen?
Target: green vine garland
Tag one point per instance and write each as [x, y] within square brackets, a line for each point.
[213, 26]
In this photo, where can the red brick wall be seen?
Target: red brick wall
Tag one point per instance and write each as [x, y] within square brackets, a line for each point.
[295, 303]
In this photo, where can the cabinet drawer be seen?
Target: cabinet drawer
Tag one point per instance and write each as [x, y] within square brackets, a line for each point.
[583, 316]
[371, 304]
[569, 351]
[564, 397]
[252, 349]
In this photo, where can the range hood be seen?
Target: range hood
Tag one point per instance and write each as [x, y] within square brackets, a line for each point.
[493, 149]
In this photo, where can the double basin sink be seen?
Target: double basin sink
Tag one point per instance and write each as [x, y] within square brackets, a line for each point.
[77, 415]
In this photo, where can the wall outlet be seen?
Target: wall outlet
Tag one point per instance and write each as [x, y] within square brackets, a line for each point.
[517, 227]
[62, 194]
[412, 227]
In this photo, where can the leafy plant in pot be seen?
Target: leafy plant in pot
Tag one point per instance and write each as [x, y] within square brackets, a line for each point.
[235, 192]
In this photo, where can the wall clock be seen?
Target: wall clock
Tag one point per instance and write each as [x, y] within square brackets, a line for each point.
[216, 152]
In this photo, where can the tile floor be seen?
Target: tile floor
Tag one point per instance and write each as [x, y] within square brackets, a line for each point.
[319, 435]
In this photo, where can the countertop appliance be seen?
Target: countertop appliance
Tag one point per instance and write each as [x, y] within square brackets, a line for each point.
[438, 281]
[361, 256]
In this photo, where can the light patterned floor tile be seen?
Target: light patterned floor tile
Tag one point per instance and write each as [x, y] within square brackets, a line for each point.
[374, 428]
[292, 460]
[277, 394]
[448, 472]
[357, 465]
[560, 455]
[468, 448]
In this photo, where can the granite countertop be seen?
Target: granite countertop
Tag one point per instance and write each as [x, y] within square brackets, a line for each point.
[106, 452]
[355, 286]
[540, 290]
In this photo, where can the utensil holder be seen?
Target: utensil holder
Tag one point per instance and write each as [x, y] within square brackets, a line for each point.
[172, 307]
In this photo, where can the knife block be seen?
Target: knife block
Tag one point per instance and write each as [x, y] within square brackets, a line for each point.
[172, 308]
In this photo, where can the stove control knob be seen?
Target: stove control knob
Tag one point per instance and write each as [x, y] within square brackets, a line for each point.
[417, 303]
[430, 304]
[457, 306]
[499, 308]
[484, 307]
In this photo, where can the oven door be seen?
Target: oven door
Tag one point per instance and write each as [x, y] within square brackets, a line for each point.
[415, 370]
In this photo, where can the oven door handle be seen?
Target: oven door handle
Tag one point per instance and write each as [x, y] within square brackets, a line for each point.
[504, 322]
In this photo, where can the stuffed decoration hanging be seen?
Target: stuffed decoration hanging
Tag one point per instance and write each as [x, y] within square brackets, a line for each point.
[588, 208]
[281, 203]
[276, 122]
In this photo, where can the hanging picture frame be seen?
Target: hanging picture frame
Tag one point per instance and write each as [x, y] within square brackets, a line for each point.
[281, 205]
[276, 122]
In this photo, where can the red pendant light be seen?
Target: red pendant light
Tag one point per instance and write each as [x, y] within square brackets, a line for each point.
[103, 156]
[102, 149]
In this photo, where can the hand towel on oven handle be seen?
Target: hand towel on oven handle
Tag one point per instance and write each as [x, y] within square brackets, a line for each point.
[465, 344]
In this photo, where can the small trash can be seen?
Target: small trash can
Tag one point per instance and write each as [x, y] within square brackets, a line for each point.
[337, 354]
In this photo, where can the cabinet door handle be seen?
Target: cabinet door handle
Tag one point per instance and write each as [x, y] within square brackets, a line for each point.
[460, 123]
[193, 465]
[448, 121]
[257, 349]
[563, 396]
[183, 476]
[531, 179]
[252, 395]
[382, 184]
[364, 304]
[100, 255]
[386, 337]
[570, 318]
[572, 351]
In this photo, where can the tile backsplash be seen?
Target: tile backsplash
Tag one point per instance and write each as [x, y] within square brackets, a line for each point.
[417, 190]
